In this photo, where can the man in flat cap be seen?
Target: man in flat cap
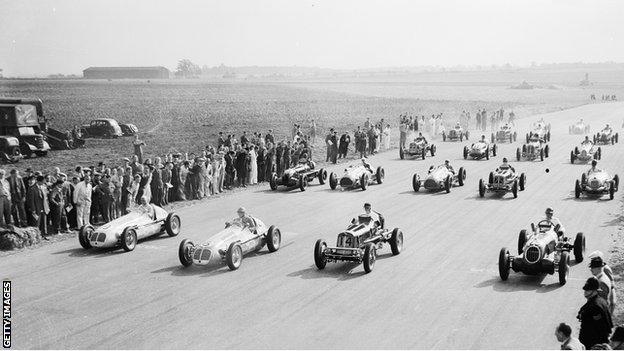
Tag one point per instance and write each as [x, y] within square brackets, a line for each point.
[594, 316]
[596, 266]
[38, 204]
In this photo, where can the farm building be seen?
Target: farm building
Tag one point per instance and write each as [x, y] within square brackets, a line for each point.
[156, 72]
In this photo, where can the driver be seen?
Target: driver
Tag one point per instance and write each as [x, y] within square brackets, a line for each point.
[366, 165]
[457, 125]
[483, 139]
[607, 128]
[554, 221]
[146, 208]
[376, 217]
[244, 219]
[421, 137]
[593, 168]
[448, 166]
[587, 141]
[505, 166]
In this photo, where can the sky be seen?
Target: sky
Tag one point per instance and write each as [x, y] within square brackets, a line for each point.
[40, 37]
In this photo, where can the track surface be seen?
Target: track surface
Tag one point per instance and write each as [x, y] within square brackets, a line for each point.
[443, 291]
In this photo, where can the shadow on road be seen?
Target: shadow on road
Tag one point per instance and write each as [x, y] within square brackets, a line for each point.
[521, 283]
[339, 270]
[93, 252]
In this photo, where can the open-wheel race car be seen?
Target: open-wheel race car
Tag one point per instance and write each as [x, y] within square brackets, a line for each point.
[231, 244]
[535, 148]
[541, 130]
[127, 230]
[439, 178]
[596, 183]
[357, 176]
[586, 152]
[457, 133]
[359, 243]
[417, 148]
[298, 176]
[606, 137]
[479, 150]
[543, 251]
[505, 134]
[579, 127]
[503, 180]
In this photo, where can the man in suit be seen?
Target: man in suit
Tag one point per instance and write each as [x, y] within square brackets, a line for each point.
[18, 198]
[57, 204]
[334, 147]
[595, 316]
[5, 201]
[563, 333]
[38, 204]
[345, 139]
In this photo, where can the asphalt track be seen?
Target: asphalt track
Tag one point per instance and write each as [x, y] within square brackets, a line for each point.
[442, 291]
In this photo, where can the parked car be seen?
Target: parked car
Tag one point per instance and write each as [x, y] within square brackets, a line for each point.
[419, 148]
[127, 230]
[606, 136]
[128, 129]
[439, 178]
[505, 134]
[586, 152]
[357, 176]
[102, 128]
[480, 149]
[503, 180]
[359, 243]
[542, 251]
[231, 244]
[298, 176]
[457, 133]
[10, 149]
[596, 183]
[535, 148]
[579, 127]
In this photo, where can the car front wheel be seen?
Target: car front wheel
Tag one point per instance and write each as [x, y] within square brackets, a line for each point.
[128, 239]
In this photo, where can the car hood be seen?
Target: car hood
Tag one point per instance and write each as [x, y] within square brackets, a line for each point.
[118, 225]
[233, 233]
[438, 173]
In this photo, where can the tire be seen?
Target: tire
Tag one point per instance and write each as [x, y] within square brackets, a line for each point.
[234, 256]
[183, 255]
[616, 179]
[424, 152]
[401, 155]
[503, 264]
[541, 154]
[364, 181]
[447, 184]
[432, 150]
[548, 136]
[612, 141]
[599, 153]
[273, 181]
[415, 183]
[617, 138]
[465, 152]
[370, 256]
[522, 183]
[322, 176]
[491, 178]
[380, 174]
[396, 241]
[564, 267]
[319, 257]
[546, 150]
[128, 239]
[172, 224]
[83, 236]
[518, 154]
[579, 247]
[514, 189]
[611, 191]
[524, 149]
[273, 238]
[461, 137]
[494, 150]
[577, 189]
[461, 176]
[487, 153]
[333, 181]
[572, 157]
[510, 138]
[481, 188]
[522, 239]
[303, 183]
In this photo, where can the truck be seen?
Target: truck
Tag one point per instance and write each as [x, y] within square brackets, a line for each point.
[20, 121]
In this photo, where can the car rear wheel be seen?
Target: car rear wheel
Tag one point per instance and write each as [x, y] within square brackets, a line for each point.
[491, 178]
[443, 136]
[172, 224]
[447, 184]
[583, 179]
[579, 247]
[83, 236]
[503, 263]
[364, 181]
[128, 239]
[333, 181]
[514, 189]
[616, 180]
[370, 256]
[184, 252]
[493, 138]
[481, 188]
[234, 256]
[416, 183]
[541, 154]
[518, 154]
[522, 181]
[380, 174]
[461, 176]
[576, 150]
[572, 157]
[424, 153]
[487, 153]
[273, 181]
[319, 254]
[611, 190]
[494, 150]
[274, 238]
[546, 150]
[564, 267]
[322, 176]
[465, 152]
[396, 241]
[577, 189]
[522, 239]
[401, 155]
[303, 183]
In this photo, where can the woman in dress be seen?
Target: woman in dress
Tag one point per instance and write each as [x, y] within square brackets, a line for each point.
[253, 169]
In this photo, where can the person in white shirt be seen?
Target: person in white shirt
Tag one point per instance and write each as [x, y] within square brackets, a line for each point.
[82, 199]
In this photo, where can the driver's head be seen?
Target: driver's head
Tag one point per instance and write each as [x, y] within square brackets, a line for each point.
[482, 137]
[367, 207]
[586, 138]
[241, 212]
[549, 213]
[504, 159]
[363, 160]
[607, 126]
[447, 162]
[419, 134]
[144, 200]
[594, 163]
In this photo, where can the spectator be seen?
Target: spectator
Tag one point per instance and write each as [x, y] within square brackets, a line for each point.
[57, 205]
[5, 200]
[606, 291]
[563, 332]
[594, 316]
[18, 198]
[345, 139]
[38, 204]
[617, 339]
[138, 148]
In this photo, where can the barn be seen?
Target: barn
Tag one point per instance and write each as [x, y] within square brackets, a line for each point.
[156, 72]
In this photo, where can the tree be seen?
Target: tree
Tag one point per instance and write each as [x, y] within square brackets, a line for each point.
[187, 69]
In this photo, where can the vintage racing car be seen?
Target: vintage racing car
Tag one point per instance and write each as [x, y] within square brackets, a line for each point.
[505, 134]
[579, 128]
[586, 152]
[127, 230]
[606, 136]
[359, 243]
[439, 178]
[535, 148]
[503, 180]
[231, 244]
[457, 133]
[298, 176]
[541, 130]
[419, 148]
[357, 176]
[596, 183]
[479, 150]
[544, 251]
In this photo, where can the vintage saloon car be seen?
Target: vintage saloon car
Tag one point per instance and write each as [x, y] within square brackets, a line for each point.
[298, 176]
[419, 148]
[505, 134]
[596, 183]
[503, 180]
[439, 178]
[357, 176]
[535, 148]
[231, 244]
[9, 149]
[544, 251]
[586, 152]
[457, 133]
[359, 243]
[606, 136]
[128, 129]
[127, 230]
[102, 128]
[579, 128]
[479, 150]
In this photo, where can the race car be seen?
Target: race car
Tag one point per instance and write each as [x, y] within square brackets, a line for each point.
[439, 178]
[606, 136]
[479, 150]
[543, 251]
[231, 244]
[535, 148]
[541, 130]
[357, 176]
[359, 243]
[596, 183]
[503, 180]
[457, 133]
[586, 152]
[579, 128]
[419, 148]
[505, 134]
[298, 176]
[127, 230]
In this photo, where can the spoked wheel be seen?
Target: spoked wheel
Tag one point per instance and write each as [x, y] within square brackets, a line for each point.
[274, 238]
[83, 236]
[234, 256]
[184, 252]
[503, 263]
[333, 181]
[481, 188]
[415, 183]
[564, 267]
[579, 247]
[370, 256]
[128, 239]
[319, 254]
[396, 241]
[172, 224]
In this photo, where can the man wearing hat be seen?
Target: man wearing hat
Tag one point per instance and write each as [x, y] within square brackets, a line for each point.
[596, 266]
[18, 198]
[564, 336]
[244, 219]
[594, 316]
[38, 204]
[82, 198]
[554, 221]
